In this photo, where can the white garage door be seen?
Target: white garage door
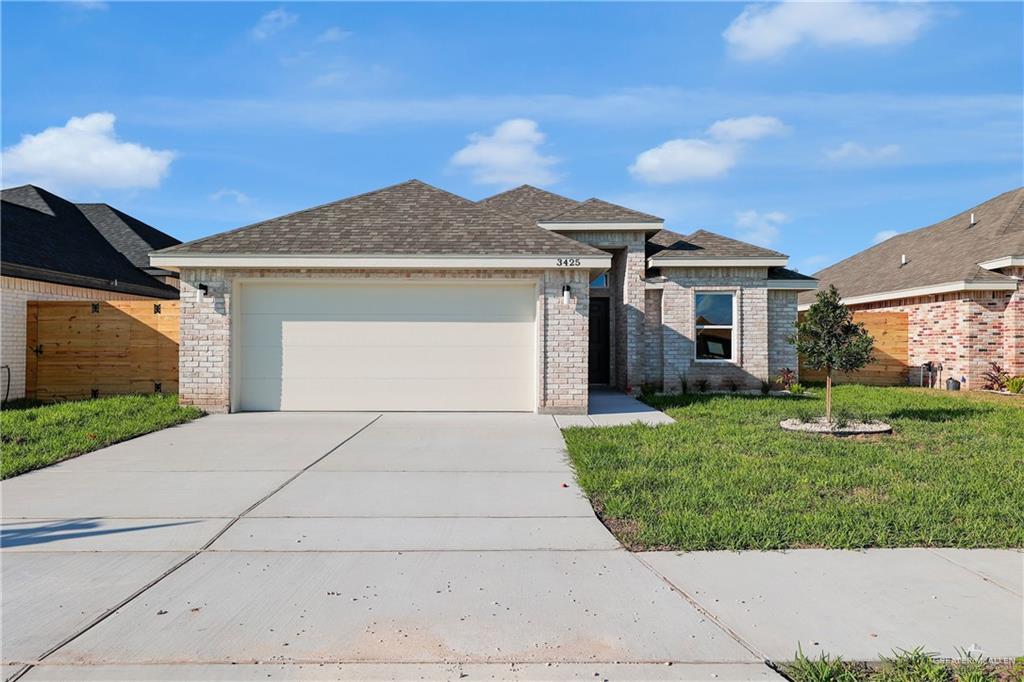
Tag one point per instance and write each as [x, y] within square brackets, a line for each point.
[386, 346]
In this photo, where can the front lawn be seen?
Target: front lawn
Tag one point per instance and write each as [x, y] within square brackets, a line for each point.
[38, 436]
[726, 477]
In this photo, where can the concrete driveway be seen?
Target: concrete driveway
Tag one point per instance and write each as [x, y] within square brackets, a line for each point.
[340, 546]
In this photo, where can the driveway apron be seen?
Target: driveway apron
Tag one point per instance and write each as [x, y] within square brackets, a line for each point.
[336, 539]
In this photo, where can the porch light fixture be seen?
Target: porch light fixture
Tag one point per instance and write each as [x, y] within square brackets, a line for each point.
[566, 291]
[201, 290]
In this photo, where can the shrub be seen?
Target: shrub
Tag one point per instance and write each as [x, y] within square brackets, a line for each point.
[841, 417]
[682, 384]
[797, 389]
[786, 378]
[1015, 385]
[702, 385]
[732, 385]
[995, 377]
[766, 387]
[806, 415]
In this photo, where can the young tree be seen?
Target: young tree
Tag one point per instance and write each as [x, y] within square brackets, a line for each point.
[828, 338]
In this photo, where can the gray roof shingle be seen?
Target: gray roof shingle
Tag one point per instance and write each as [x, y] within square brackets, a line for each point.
[703, 244]
[529, 203]
[948, 251]
[410, 218]
[599, 211]
[47, 238]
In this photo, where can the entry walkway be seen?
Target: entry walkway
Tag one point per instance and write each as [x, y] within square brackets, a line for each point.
[609, 407]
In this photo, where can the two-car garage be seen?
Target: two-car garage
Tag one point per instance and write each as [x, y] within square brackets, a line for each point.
[460, 345]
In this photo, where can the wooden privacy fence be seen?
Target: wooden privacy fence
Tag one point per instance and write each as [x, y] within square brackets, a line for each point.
[83, 349]
[890, 366]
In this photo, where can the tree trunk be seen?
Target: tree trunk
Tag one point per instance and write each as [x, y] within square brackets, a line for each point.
[828, 396]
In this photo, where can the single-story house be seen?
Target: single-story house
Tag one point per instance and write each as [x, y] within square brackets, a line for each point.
[55, 250]
[413, 298]
[960, 283]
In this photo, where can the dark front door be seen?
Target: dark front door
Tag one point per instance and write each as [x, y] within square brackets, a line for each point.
[599, 358]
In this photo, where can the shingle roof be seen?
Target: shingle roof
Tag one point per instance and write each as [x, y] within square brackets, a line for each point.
[948, 251]
[787, 274]
[129, 235]
[704, 244]
[599, 211]
[529, 203]
[48, 238]
[411, 218]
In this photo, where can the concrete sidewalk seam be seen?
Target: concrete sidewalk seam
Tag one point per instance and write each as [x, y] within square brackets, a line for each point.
[706, 613]
[106, 614]
[984, 577]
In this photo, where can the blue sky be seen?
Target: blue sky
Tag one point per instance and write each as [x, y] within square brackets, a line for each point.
[813, 129]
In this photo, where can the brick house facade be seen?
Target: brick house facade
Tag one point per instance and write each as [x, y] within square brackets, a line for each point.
[961, 283]
[653, 278]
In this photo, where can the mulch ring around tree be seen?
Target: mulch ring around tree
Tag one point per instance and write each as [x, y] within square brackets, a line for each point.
[823, 427]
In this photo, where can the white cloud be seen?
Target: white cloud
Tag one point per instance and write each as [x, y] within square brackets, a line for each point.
[765, 31]
[746, 128]
[272, 22]
[333, 35]
[883, 235]
[759, 228]
[699, 159]
[858, 153]
[233, 194]
[85, 153]
[508, 156]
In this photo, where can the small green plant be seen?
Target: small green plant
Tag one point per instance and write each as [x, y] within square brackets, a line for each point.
[822, 669]
[766, 387]
[842, 417]
[1016, 384]
[702, 385]
[682, 384]
[805, 415]
[916, 665]
[995, 377]
[797, 389]
[732, 385]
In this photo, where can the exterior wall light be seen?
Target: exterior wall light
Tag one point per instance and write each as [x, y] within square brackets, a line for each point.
[566, 291]
[201, 290]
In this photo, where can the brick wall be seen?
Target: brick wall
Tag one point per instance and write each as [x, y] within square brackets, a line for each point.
[205, 344]
[626, 293]
[782, 314]
[963, 331]
[750, 328]
[15, 292]
[653, 366]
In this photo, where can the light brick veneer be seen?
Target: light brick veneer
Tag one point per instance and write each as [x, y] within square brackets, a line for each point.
[750, 328]
[653, 366]
[626, 291]
[963, 331]
[205, 344]
[782, 314]
[15, 292]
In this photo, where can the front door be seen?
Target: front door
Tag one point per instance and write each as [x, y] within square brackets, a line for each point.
[599, 346]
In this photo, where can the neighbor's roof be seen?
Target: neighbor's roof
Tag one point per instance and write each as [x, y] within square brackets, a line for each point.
[132, 237]
[948, 251]
[411, 218]
[598, 211]
[47, 238]
[668, 245]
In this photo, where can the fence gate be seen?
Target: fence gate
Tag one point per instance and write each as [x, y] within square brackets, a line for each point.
[890, 366]
[83, 349]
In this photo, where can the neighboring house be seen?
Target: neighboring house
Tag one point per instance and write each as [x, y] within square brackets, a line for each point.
[53, 250]
[959, 281]
[413, 298]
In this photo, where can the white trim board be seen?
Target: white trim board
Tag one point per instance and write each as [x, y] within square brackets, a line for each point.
[717, 262]
[944, 288]
[602, 227]
[1004, 262]
[382, 262]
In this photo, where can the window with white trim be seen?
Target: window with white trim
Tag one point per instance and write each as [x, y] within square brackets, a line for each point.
[713, 322]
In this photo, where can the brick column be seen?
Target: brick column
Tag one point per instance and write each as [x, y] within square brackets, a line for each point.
[204, 350]
[629, 318]
[564, 343]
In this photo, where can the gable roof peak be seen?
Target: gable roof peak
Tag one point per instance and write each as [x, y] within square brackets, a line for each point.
[595, 210]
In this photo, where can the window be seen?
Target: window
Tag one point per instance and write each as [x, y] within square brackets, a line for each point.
[599, 282]
[713, 321]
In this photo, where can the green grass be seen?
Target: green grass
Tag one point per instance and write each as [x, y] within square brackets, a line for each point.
[34, 436]
[904, 666]
[725, 476]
